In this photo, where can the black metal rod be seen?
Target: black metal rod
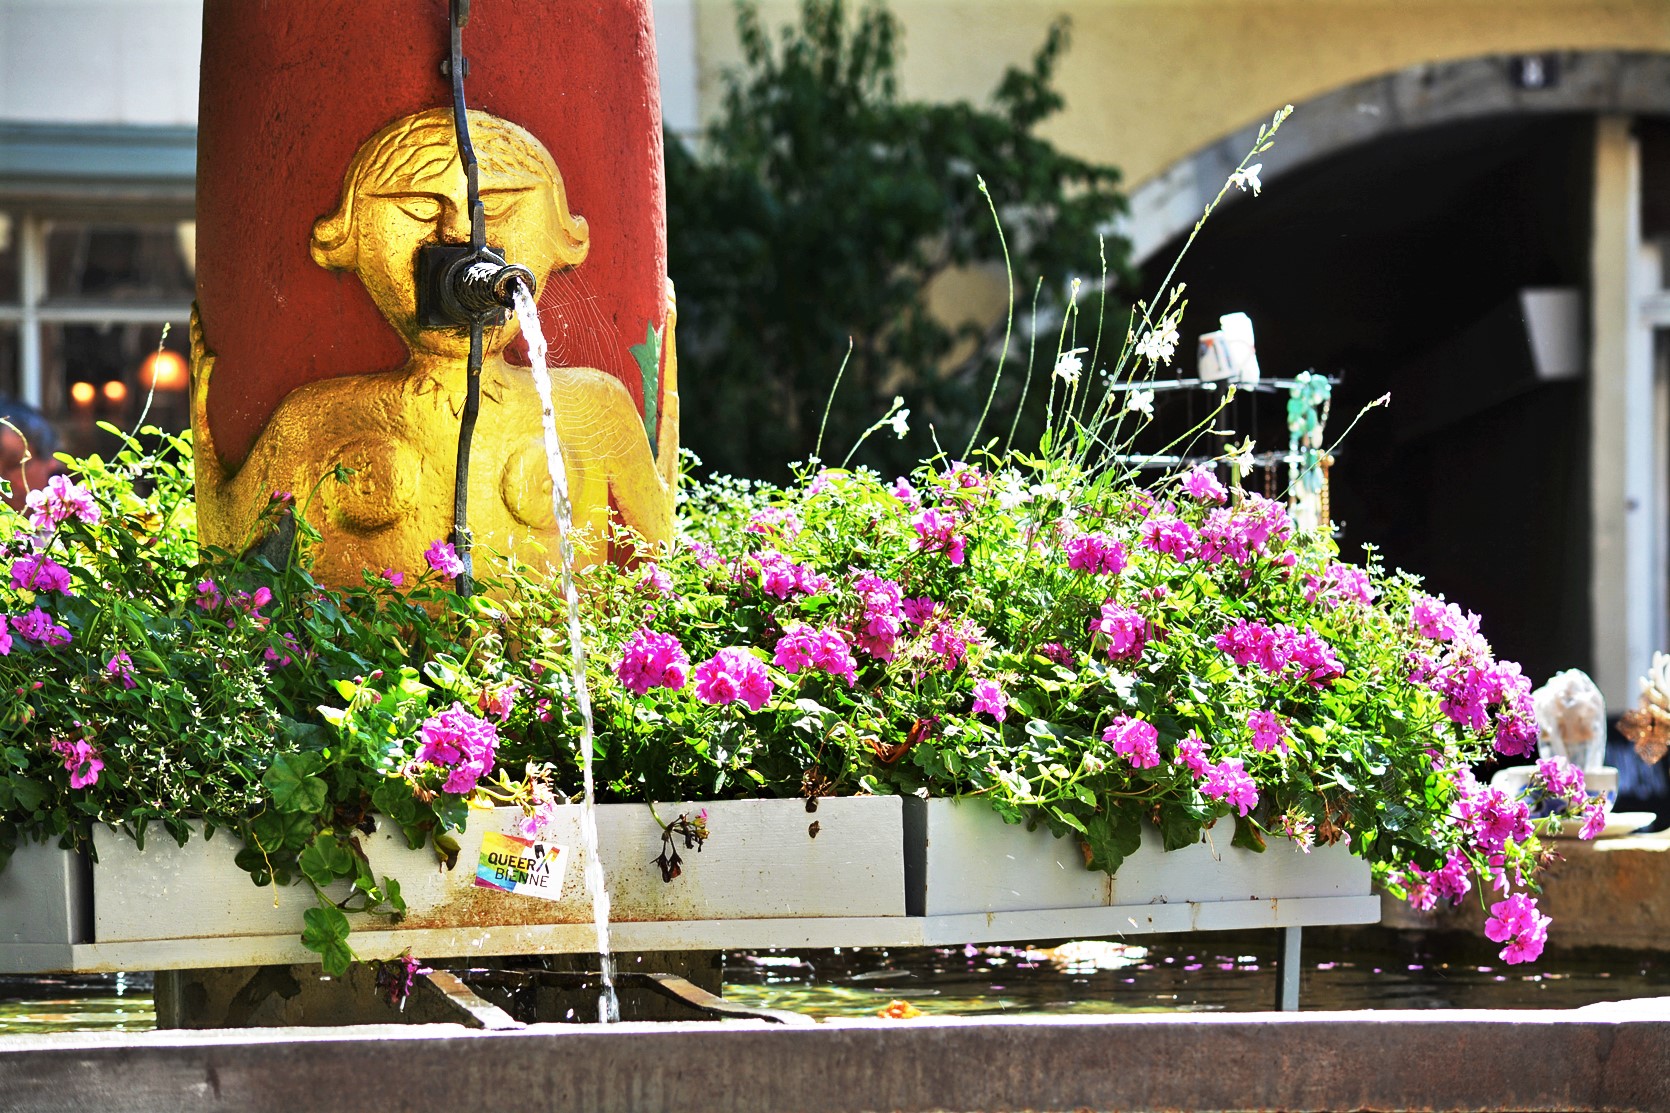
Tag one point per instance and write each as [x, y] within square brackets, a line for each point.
[461, 541]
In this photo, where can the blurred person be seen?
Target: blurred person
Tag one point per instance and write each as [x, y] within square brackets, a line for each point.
[28, 444]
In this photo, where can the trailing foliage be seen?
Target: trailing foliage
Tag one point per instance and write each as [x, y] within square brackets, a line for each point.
[820, 206]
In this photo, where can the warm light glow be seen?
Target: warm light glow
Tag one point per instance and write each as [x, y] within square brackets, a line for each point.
[116, 391]
[83, 393]
[164, 370]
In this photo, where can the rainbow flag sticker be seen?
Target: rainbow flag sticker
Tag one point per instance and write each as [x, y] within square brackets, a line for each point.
[521, 866]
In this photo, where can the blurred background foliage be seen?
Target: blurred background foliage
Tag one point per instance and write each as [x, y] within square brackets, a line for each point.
[818, 205]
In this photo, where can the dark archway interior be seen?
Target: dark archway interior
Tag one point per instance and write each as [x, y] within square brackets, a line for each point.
[1397, 266]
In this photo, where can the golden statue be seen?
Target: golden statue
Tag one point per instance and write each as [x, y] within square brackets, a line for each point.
[396, 431]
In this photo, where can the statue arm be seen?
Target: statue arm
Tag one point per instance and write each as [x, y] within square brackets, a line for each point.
[638, 486]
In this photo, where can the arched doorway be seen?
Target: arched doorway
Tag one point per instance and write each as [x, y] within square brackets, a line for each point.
[1409, 229]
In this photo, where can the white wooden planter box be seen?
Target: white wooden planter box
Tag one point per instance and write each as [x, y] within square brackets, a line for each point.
[170, 906]
[968, 872]
[880, 871]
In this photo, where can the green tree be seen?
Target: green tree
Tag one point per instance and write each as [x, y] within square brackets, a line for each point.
[819, 205]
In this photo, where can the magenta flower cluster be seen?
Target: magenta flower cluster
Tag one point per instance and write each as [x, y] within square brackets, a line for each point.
[1135, 739]
[1475, 690]
[1280, 649]
[444, 559]
[1268, 731]
[1126, 631]
[936, 532]
[781, 578]
[652, 660]
[881, 616]
[1096, 553]
[802, 647]
[990, 699]
[734, 675]
[460, 743]
[81, 758]
[1516, 922]
[60, 501]
[40, 573]
[1203, 486]
[1338, 585]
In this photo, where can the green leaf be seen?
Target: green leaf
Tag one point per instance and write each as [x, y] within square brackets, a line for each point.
[276, 832]
[28, 793]
[1113, 835]
[326, 859]
[325, 932]
[294, 787]
[1181, 825]
[1247, 835]
[648, 356]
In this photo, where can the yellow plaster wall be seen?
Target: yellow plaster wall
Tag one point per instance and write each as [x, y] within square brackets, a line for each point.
[1149, 81]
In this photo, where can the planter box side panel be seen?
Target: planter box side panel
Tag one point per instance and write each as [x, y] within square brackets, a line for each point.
[975, 862]
[45, 896]
[760, 862]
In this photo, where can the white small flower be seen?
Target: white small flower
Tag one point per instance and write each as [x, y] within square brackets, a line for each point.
[1241, 179]
[1068, 365]
[1140, 401]
[1160, 344]
[899, 420]
[1240, 456]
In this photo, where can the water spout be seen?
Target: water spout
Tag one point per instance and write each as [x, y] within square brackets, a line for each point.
[608, 1005]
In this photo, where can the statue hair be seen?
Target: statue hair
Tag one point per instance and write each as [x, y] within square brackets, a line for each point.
[425, 144]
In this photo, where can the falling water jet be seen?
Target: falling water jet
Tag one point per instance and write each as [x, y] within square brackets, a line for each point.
[608, 1005]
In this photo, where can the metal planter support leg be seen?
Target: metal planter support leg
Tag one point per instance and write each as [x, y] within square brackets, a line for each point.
[1288, 970]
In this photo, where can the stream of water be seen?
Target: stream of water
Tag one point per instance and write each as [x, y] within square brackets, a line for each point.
[527, 312]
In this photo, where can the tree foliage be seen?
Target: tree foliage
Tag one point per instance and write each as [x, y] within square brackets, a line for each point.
[819, 206]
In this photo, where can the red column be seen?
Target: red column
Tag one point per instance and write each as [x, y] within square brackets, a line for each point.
[291, 90]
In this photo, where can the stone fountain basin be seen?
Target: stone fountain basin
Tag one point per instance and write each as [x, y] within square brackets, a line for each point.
[878, 871]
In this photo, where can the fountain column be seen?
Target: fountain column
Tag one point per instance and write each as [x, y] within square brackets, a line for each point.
[291, 95]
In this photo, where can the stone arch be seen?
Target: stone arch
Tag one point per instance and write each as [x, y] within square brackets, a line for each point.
[1596, 82]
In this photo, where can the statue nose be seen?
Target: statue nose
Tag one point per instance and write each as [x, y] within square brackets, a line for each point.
[455, 222]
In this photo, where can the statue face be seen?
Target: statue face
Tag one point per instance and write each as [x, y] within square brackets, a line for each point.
[406, 189]
[394, 224]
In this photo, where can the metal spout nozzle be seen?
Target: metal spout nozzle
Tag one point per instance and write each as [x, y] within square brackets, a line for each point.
[459, 284]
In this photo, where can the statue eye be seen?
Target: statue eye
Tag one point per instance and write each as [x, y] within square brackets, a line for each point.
[496, 203]
[419, 207]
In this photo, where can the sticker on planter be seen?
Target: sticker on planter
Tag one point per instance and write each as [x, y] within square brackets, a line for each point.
[522, 866]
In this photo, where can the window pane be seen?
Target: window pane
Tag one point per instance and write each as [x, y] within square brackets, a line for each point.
[120, 262]
[93, 373]
[10, 387]
[8, 258]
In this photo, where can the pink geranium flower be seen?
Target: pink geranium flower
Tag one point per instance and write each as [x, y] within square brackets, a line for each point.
[652, 660]
[443, 558]
[81, 758]
[1203, 486]
[1268, 731]
[1229, 781]
[802, 646]
[461, 743]
[936, 533]
[1517, 923]
[990, 699]
[1137, 740]
[59, 501]
[121, 667]
[39, 572]
[733, 674]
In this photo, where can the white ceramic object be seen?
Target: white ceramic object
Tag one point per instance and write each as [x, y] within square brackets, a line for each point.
[1598, 782]
[1571, 720]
